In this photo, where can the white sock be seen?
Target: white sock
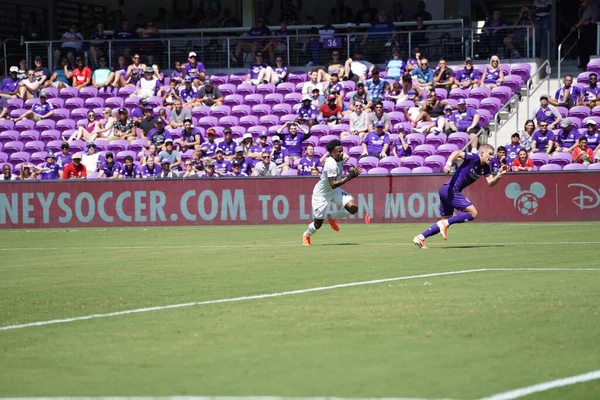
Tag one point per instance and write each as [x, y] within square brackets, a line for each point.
[445, 222]
[420, 236]
[310, 230]
[343, 213]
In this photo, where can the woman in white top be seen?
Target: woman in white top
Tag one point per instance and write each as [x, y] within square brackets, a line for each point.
[148, 85]
[107, 125]
[25, 174]
[7, 174]
[28, 88]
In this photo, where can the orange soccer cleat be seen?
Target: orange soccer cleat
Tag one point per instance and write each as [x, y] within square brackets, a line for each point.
[333, 224]
[420, 243]
[306, 240]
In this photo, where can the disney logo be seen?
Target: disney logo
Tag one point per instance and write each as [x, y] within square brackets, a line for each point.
[588, 197]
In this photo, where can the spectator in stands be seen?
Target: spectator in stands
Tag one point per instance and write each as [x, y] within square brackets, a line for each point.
[546, 113]
[420, 36]
[443, 76]
[149, 31]
[7, 174]
[72, 40]
[124, 37]
[151, 169]
[159, 135]
[516, 38]
[493, 34]
[415, 61]
[278, 74]
[527, 134]
[512, 149]
[150, 154]
[3, 108]
[146, 124]
[39, 111]
[590, 94]
[245, 164]
[179, 115]
[307, 113]
[255, 70]
[261, 147]
[129, 170]
[63, 158]
[379, 116]
[467, 120]
[363, 96]
[210, 146]
[188, 94]
[61, 75]
[22, 74]
[409, 91]
[341, 13]
[135, 71]
[397, 14]
[266, 167]
[380, 35]
[28, 88]
[582, 154]
[422, 13]
[499, 159]
[178, 72]
[468, 77]
[395, 66]
[377, 142]
[228, 144]
[392, 92]
[587, 30]
[308, 162]
[209, 95]
[87, 132]
[336, 88]
[236, 169]
[278, 44]
[25, 173]
[330, 113]
[166, 171]
[401, 147]
[292, 140]
[103, 77]
[591, 134]
[424, 74]
[125, 128]
[194, 69]
[171, 95]
[312, 83]
[170, 154]
[566, 138]
[335, 65]
[121, 79]
[522, 163]
[148, 85]
[376, 85]
[542, 140]
[359, 121]
[191, 137]
[356, 69]
[258, 39]
[97, 44]
[247, 144]
[91, 158]
[316, 98]
[82, 75]
[431, 111]
[48, 170]
[493, 75]
[567, 95]
[10, 85]
[75, 169]
[542, 15]
[109, 168]
[279, 155]
[40, 72]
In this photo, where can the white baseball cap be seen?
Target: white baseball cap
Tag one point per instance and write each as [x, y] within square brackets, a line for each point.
[247, 135]
[276, 139]
[14, 69]
[192, 54]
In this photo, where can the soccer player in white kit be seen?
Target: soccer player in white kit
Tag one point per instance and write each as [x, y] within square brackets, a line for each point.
[328, 191]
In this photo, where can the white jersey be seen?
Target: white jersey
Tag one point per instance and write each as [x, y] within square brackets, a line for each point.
[331, 169]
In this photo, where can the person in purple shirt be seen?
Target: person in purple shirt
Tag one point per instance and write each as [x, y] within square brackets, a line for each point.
[256, 68]
[472, 168]
[209, 148]
[401, 148]
[64, 157]
[542, 140]
[110, 168]
[151, 169]
[591, 93]
[335, 87]
[158, 135]
[228, 144]
[236, 169]
[465, 119]
[306, 164]
[178, 72]
[245, 163]
[468, 77]
[124, 37]
[188, 93]
[279, 155]
[292, 141]
[546, 112]
[257, 39]
[191, 137]
[493, 34]
[566, 138]
[194, 69]
[376, 143]
[567, 96]
[39, 111]
[10, 86]
[499, 160]
[262, 146]
[48, 170]
[512, 149]
[222, 166]
[138, 113]
[129, 170]
[307, 112]
[591, 134]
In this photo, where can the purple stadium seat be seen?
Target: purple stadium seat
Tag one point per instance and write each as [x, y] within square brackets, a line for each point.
[79, 113]
[287, 118]
[377, 171]
[492, 104]
[416, 138]
[539, 159]
[253, 99]
[227, 89]
[593, 66]
[273, 98]
[130, 103]
[298, 88]
[219, 79]
[45, 124]
[285, 88]
[54, 145]
[269, 120]
[282, 109]
[424, 150]
[60, 114]
[92, 175]
[574, 167]
[77, 146]
[24, 125]
[12, 147]
[68, 93]
[514, 82]
[17, 113]
[120, 155]
[14, 104]
[451, 102]
[435, 162]
[390, 162]
[412, 162]
[351, 141]
[6, 125]
[256, 130]
[485, 116]
[349, 95]
[446, 149]
[584, 122]
[388, 106]
[66, 134]
[49, 135]
[94, 102]
[584, 78]
[561, 159]
[579, 112]
[320, 130]
[480, 93]
[248, 121]
[154, 101]
[261, 110]
[237, 78]
[550, 167]
[297, 77]
[594, 166]
[51, 92]
[323, 140]
[265, 89]
[396, 117]
[175, 133]
[228, 121]
[88, 92]
[523, 70]
[19, 157]
[114, 102]
[118, 145]
[292, 98]
[220, 111]
[233, 100]
[422, 170]
[3, 158]
[435, 139]
[125, 92]
[369, 162]
[290, 172]
[28, 135]
[237, 131]
[207, 122]
[504, 93]
[200, 111]
[34, 146]
[459, 94]
[400, 171]
[441, 93]
[29, 103]
[38, 157]
[102, 144]
[241, 110]
[354, 152]
[107, 92]
[338, 129]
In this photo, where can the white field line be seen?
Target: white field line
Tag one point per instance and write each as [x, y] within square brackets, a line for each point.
[280, 294]
[257, 245]
[216, 398]
[542, 387]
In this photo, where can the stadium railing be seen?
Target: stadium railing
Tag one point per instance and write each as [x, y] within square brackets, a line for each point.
[559, 54]
[544, 72]
[504, 115]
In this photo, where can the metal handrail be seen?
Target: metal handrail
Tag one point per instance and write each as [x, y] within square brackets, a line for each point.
[560, 60]
[466, 147]
[545, 65]
[497, 127]
[5, 57]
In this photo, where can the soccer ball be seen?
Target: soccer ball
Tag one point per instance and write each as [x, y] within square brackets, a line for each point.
[527, 203]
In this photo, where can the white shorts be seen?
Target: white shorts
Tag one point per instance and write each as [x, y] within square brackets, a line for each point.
[320, 204]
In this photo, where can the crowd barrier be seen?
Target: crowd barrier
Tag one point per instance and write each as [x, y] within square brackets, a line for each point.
[517, 198]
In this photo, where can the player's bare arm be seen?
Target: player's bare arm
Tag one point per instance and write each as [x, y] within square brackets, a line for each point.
[453, 157]
[492, 180]
[338, 181]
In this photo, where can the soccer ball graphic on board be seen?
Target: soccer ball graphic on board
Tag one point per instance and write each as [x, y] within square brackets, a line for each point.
[526, 202]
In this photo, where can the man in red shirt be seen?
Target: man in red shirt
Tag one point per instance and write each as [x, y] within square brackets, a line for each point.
[75, 170]
[82, 75]
[330, 112]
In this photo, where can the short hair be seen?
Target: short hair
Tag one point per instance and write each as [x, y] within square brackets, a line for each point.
[129, 158]
[500, 148]
[378, 103]
[583, 139]
[313, 71]
[333, 144]
[593, 74]
[486, 147]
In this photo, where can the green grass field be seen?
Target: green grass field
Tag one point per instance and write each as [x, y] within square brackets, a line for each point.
[462, 336]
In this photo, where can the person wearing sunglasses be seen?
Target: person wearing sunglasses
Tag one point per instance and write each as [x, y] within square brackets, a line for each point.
[266, 167]
[28, 88]
[103, 77]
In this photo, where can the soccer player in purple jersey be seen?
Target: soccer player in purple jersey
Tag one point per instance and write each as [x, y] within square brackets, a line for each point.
[473, 167]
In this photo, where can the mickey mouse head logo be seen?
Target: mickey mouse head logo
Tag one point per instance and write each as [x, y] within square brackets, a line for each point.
[525, 201]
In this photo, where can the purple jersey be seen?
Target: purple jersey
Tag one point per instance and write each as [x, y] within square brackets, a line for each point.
[305, 166]
[593, 139]
[148, 172]
[279, 156]
[545, 115]
[238, 174]
[293, 144]
[261, 149]
[187, 95]
[255, 69]
[566, 139]
[199, 67]
[62, 160]
[590, 93]
[400, 150]
[309, 113]
[211, 148]
[190, 137]
[8, 85]
[464, 119]
[490, 77]
[281, 70]
[136, 113]
[109, 170]
[246, 165]
[495, 163]
[130, 173]
[228, 148]
[222, 166]
[49, 171]
[467, 173]
[136, 74]
[157, 137]
[574, 93]
[42, 109]
[337, 88]
[176, 75]
[542, 140]
[464, 75]
[375, 142]
[512, 151]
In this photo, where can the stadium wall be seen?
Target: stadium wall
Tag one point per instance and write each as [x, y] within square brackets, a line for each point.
[517, 198]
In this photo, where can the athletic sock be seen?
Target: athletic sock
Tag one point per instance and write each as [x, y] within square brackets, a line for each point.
[432, 230]
[310, 230]
[343, 213]
[460, 218]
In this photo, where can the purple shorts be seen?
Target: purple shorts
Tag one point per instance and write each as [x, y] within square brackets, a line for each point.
[451, 200]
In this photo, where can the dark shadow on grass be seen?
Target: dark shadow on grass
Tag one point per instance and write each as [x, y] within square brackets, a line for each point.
[471, 246]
